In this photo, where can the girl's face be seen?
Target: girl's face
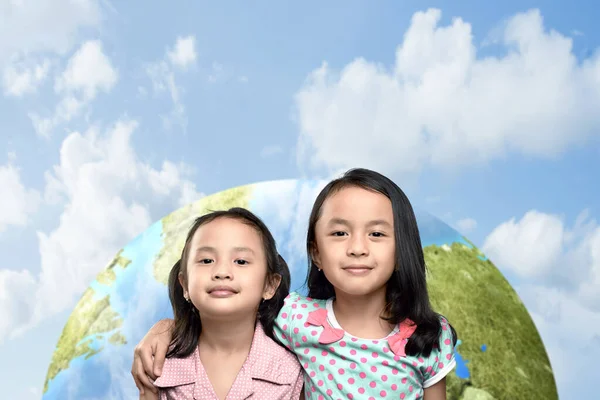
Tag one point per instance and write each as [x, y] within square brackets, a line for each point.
[355, 245]
[226, 270]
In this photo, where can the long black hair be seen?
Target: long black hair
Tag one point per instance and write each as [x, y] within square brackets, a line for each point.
[187, 325]
[406, 291]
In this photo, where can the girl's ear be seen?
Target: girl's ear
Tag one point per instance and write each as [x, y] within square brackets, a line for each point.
[271, 286]
[314, 255]
[183, 285]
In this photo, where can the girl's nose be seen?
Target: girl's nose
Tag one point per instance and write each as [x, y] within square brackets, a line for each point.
[358, 246]
[222, 271]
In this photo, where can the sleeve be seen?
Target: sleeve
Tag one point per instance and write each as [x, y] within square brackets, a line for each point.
[298, 386]
[282, 328]
[441, 361]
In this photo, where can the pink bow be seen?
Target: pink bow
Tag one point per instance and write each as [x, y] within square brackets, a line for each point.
[329, 334]
[398, 341]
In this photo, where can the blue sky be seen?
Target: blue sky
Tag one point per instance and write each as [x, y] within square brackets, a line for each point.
[486, 116]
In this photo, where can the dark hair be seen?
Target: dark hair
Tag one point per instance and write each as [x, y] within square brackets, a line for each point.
[187, 326]
[406, 291]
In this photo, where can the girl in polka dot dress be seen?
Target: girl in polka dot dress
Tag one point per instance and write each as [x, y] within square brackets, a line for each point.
[226, 291]
[366, 330]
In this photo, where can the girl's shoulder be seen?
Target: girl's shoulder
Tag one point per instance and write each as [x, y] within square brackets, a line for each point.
[296, 304]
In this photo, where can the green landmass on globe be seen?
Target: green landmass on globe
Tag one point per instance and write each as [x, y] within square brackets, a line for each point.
[92, 316]
[500, 354]
[491, 314]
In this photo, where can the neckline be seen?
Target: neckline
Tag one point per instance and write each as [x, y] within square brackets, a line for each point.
[335, 324]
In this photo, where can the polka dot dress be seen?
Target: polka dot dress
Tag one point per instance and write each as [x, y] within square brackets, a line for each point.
[338, 365]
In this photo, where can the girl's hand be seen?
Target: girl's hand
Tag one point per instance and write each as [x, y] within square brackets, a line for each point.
[436, 392]
[149, 357]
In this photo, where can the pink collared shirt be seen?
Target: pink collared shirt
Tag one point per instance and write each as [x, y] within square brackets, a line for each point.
[269, 373]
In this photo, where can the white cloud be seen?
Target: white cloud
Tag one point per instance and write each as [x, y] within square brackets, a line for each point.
[184, 53]
[48, 26]
[109, 197]
[466, 225]
[17, 203]
[88, 72]
[162, 75]
[441, 105]
[269, 151]
[19, 78]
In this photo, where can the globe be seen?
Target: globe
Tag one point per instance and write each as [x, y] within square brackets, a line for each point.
[500, 354]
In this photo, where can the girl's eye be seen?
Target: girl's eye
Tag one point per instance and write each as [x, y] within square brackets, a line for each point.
[378, 234]
[205, 261]
[242, 262]
[338, 233]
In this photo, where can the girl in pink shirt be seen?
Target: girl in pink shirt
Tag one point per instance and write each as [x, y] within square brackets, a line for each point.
[226, 291]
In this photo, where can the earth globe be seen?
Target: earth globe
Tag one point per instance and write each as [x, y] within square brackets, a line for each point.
[500, 354]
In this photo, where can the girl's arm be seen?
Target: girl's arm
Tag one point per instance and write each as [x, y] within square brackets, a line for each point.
[436, 392]
[148, 395]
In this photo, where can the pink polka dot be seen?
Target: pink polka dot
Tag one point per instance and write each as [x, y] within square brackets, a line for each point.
[353, 352]
[444, 327]
[441, 365]
[402, 395]
[321, 397]
[316, 305]
[314, 333]
[332, 361]
[329, 392]
[404, 381]
[320, 383]
[374, 354]
[384, 378]
[362, 375]
[299, 316]
[396, 358]
[330, 377]
[341, 371]
[352, 365]
[324, 353]
[361, 390]
[307, 299]
[297, 344]
[375, 341]
[363, 346]
[306, 351]
[363, 360]
[374, 368]
[321, 368]
[306, 324]
[394, 386]
[284, 315]
[395, 371]
[340, 386]
[343, 358]
[313, 359]
[304, 339]
[343, 344]
[386, 350]
[448, 356]
[385, 363]
[421, 360]
[410, 388]
[371, 398]
[313, 389]
[372, 384]
[305, 366]
[412, 373]
[312, 374]
[428, 369]
[403, 365]
[294, 305]
[350, 396]
[351, 381]
[383, 393]
[415, 363]
[332, 349]
[447, 341]
[436, 359]
[304, 306]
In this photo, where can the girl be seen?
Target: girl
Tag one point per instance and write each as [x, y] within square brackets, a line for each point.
[226, 291]
[366, 329]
